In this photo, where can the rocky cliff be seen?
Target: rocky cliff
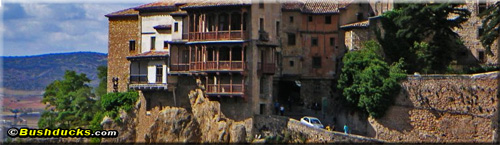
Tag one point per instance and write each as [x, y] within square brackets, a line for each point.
[205, 123]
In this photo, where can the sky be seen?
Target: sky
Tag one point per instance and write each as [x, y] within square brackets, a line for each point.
[33, 27]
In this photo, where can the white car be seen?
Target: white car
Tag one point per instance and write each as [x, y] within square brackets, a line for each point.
[311, 121]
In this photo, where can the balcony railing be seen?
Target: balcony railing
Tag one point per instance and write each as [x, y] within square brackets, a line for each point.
[138, 78]
[179, 67]
[220, 35]
[225, 89]
[140, 82]
[185, 36]
[266, 68]
[216, 66]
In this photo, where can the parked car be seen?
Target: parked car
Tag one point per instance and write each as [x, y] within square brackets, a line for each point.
[311, 122]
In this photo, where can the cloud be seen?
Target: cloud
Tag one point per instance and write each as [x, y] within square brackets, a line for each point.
[39, 28]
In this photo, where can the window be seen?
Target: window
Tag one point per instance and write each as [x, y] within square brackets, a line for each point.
[278, 28]
[176, 27]
[153, 40]
[291, 39]
[480, 32]
[159, 73]
[328, 19]
[359, 16]
[481, 56]
[291, 19]
[131, 45]
[261, 22]
[291, 63]
[261, 4]
[332, 41]
[165, 44]
[314, 41]
[316, 62]
[310, 18]
[482, 7]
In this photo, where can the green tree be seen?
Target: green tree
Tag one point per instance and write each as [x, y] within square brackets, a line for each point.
[422, 34]
[102, 74]
[491, 25]
[112, 103]
[70, 102]
[368, 82]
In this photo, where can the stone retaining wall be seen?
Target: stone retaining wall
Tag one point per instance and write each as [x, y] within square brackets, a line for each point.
[442, 108]
[276, 124]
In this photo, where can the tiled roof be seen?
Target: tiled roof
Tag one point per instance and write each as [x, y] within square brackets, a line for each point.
[163, 5]
[316, 6]
[150, 54]
[125, 12]
[214, 3]
[362, 24]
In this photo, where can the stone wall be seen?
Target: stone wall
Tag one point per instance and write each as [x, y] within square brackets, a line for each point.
[121, 31]
[442, 108]
[278, 124]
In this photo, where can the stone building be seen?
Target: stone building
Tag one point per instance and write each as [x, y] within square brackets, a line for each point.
[470, 33]
[357, 32]
[229, 45]
[311, 47]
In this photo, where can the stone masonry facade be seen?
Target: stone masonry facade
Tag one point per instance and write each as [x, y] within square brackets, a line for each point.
[121, 31]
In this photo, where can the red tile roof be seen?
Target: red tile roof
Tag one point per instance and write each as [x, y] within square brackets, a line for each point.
[150, 54]
[125, 12]
[316, 6]
[213, 3]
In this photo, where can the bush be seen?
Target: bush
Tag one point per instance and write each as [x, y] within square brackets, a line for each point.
[368, 82]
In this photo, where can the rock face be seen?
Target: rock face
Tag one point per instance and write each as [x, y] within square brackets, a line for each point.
[206, 124]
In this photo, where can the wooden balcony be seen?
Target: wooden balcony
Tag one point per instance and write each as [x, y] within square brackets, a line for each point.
[138, 78]
[179, 67]
[225, 89]
[266, 68]
[214, 36]
[140, 82]
[217, 66]
[185, 36]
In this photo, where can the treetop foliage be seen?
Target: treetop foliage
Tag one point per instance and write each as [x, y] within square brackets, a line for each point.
[491, 25]
[368, 81]
[422, 34]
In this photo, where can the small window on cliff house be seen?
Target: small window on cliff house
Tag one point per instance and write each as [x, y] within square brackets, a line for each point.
[291, 63]
[131, 45]
[328, 19]
[310, 18]
[153, 40]
[316, 62]
[261, 4]
[176, 27]
[291, 39]
[359, 16]
[332, 41]
[314, 41]
[481, 7]
[291, 19]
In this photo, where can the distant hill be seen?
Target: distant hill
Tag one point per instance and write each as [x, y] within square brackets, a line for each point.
[36, 72]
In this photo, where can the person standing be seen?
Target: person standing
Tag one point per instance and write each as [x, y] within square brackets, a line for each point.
[282, 110]
[346, 129]
[276, 107]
